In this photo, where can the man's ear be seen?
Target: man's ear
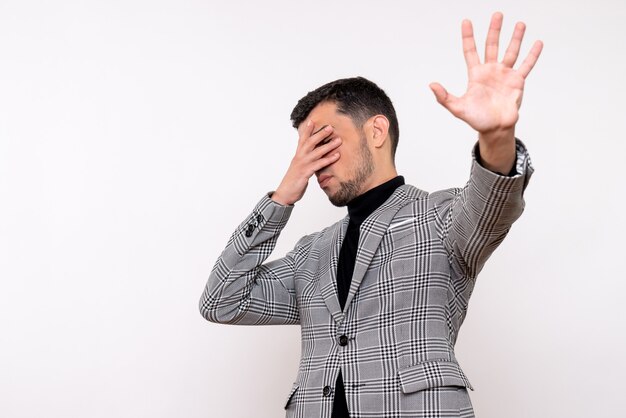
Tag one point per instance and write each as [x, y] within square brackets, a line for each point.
[380, 130]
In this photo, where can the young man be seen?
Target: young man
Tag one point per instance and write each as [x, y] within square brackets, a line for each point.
[380, 295]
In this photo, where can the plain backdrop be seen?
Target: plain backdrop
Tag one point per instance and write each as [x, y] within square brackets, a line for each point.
[135, 135]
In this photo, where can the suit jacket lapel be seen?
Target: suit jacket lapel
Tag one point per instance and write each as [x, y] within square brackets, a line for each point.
[371, 233]
[327, 270]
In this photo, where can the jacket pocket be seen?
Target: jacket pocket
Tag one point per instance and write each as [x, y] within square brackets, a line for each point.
[294, 388]
[432, 374]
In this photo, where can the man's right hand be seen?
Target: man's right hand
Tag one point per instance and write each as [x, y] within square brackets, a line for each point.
[312, 154]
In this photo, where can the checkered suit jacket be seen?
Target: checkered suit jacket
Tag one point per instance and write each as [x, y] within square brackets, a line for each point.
[416, 265]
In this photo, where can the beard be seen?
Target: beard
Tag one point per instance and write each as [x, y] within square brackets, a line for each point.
[350, 189]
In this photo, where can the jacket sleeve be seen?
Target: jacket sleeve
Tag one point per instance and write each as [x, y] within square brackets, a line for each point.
[474, 220]
[243, 290]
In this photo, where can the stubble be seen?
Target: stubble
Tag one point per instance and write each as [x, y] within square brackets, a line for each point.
[352, 188]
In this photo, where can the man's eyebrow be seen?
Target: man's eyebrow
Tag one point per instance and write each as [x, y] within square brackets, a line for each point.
[319, 130]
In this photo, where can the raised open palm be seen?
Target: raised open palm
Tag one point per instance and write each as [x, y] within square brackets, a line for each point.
[494, 91]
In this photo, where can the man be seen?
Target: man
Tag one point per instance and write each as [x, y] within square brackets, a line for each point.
[381, 295]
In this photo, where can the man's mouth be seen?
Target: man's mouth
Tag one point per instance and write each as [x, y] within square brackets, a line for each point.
[323, 179]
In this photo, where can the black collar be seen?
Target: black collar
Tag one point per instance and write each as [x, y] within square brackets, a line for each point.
[362, 206]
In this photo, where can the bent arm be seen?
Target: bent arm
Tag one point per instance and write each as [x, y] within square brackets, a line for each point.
[243, 290]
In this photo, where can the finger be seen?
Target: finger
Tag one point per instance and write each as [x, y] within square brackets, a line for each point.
[305, 129]
[319, 136]
[469, 45]
[493, 38]
[324, 141]
[325, 147]
[325, 162]
[531, 59]
[446, 99]
[319, 130]
[512, 52]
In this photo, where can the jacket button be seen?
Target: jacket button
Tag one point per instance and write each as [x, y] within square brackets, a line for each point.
[343, 341]
[259, 218]
[248, 233]
[326, 391]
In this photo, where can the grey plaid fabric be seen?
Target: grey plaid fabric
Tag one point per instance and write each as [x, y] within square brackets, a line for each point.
[415, 269]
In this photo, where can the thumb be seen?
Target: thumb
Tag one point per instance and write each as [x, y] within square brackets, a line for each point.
[446, 99]
[441, 94]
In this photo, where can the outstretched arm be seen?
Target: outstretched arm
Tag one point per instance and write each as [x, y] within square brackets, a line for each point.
[494, 93]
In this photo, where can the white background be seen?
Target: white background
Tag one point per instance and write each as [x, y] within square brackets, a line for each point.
[135, 136]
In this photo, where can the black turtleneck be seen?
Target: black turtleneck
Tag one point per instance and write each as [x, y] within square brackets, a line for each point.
[359, 209]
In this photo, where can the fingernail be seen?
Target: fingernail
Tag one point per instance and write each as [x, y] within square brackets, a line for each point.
[308, 123]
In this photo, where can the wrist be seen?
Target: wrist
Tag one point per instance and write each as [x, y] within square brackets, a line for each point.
[497, 150]
[281, 199]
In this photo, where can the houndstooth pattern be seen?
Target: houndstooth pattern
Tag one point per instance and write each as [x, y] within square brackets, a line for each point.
[415, 269]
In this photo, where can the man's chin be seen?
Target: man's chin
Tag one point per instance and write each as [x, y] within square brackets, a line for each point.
[338, 203]
[338, 199]
[342, 194]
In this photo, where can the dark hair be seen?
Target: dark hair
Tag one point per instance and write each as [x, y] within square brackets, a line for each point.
[356, 97]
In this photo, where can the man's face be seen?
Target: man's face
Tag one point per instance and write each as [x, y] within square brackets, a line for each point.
[347, 177]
